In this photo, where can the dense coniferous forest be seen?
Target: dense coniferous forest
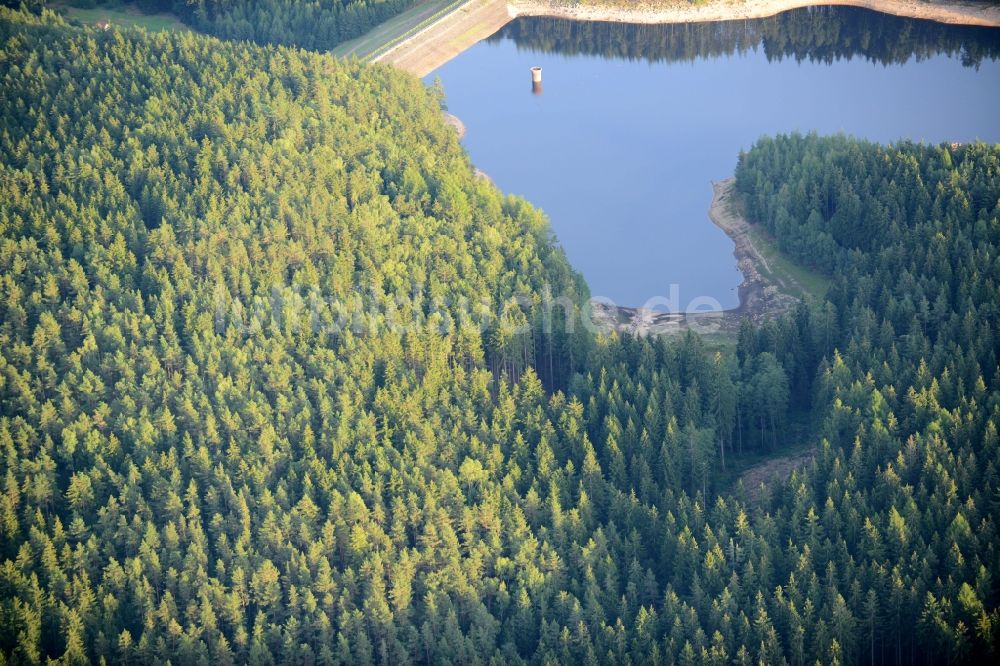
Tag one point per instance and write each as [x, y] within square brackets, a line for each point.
[319, 25]
[822, 34]
[254, 406]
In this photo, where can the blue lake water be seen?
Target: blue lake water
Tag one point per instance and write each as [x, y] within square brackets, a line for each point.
[634, 122]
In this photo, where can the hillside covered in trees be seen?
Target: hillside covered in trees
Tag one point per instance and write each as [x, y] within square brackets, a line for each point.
[279, 384]
[318, 25]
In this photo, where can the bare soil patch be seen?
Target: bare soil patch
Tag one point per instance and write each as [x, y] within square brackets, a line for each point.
[757, 478]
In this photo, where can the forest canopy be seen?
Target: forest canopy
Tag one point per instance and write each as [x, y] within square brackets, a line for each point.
[200, 463]
[318, 25]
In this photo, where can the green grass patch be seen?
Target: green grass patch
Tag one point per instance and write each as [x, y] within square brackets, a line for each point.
[396, 29]
[126, 15]
[798, 280]
[719, 342]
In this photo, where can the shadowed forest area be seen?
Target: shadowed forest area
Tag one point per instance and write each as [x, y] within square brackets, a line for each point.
[317, 26]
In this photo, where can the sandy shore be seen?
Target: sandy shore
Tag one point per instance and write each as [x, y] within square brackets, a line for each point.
[455, 122]
[459, 126]
[727, 10]
[759, 298]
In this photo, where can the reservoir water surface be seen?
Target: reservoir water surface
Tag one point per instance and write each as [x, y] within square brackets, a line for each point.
[634, 122]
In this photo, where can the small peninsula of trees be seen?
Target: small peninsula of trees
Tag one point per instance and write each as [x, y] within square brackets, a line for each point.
[204, 460]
